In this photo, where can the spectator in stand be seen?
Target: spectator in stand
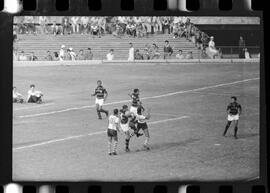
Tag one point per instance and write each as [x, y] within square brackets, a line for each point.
[81, 55]
[241, 46]
[131, 52]
[34, 96]
[147, 25]
[49, 56]
[85, 25]
[102, 25]
[204, 54]
[189, 26]
[55, 28]
[66, 26]
[72, 54]
[110, 55]
[88, 54]
[166, 25]
[145, 54]
[212, 51]
[138, 55]
[175, 30]
[220, 55]
[189, 55]
[198, 39]
[75, 24]
[168, 51]
[122, 23]
[94, 29]
[131, 29]
[68, 55]
[55, 56]
[16, 96]
[156, 54]
[62, 53]
[15, 37]
[180, 55]
[33, 57]
[30, 25]
[22, 28]
[15, 54]
[247, 54]
[159, 24]
[140, 31]
[43, 22]
[22, 56]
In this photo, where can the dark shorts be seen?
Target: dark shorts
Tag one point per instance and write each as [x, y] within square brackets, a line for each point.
[111, 133]
[34, 99]
[142, 126]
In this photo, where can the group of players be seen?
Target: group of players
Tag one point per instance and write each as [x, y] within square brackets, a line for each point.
[129, 121]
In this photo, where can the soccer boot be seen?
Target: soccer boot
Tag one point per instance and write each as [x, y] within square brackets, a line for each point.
[127, 149]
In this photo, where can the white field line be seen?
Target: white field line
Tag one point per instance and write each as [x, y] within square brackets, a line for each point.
[32, 107]
[144, 98]
[213, 93]
[89, 134]
[164, 114]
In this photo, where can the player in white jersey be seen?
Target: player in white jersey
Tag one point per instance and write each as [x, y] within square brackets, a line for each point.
[143, 125]
[113, 127]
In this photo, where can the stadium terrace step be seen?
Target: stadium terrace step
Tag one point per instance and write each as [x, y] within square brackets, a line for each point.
[39, 44]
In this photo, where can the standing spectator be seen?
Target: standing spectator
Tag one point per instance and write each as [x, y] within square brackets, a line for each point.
[81, 55]
[166, 25]
[34, 96]
[241, 46]
[131, 52]
[89, 54]
[138, 55]
[65, 26]
[85, 25]
[180, 55]
[213, 52]
[16, 96]
[49, 56]
[131, 29]
[43, 22]
[55, 28]
[75, 24]
[62, 53]
[102, 25]
[159, 24]
[30, 24]
[33, 57]
[247, 55]
[167, 50]
[110, 55]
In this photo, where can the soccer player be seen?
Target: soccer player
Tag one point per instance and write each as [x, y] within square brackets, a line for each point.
[101, 96]
[143, 125]
[113, 127]
[234, 110]
[34, 96]
[124, 125]
[135, 103]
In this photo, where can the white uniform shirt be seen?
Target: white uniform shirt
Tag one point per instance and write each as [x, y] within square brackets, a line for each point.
[113, 122]
[61, 54]
[131, 54]
[110, 56]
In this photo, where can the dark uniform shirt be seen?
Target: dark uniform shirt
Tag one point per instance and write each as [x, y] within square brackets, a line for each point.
[100, 92]
[168, 49]
[124, 118]
[234, 108]
[135, 100]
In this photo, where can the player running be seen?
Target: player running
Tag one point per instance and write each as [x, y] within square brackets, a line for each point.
[143, 125]
[101, 96]
[135, 101]
[113, 127]
[234, 110]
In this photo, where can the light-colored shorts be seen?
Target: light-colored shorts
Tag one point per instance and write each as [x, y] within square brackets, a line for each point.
[99, 101]
[233, 117]
[133, 110]
[124, 127]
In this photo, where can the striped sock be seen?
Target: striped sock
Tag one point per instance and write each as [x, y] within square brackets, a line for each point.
[109, 147]
[127, 143]
[115, 146]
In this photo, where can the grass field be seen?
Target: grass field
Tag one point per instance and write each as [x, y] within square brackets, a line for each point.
[62, 139]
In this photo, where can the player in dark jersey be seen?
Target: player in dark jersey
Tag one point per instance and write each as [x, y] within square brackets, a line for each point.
[234, 110]
[135, 101]
[101, 96]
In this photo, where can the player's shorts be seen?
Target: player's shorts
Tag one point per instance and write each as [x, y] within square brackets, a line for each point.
[124, 127]
[233, 117]
[99, 101]
[111, 133]
[133, 110]
[142, 126]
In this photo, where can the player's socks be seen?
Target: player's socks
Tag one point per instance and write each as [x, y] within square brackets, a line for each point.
[235, 132]
[99, 114]
[104, 111]
[226, 129]
[114, 147]
[146, 142]
[109, 148]
[127, 144]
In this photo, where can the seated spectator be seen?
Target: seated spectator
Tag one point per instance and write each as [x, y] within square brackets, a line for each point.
[212, 51]
[68, 55]
[55, 28]
[154, 53]
[55, 56]
[166, 25]
[180, 55]
[131, 29]
[62, 53]
[21, 26]
[247, 55]
[81, 55]
[94, 30]
[22, 56]
[16, 96]
[43, 22]
[110, 55]
[138, 55]
[30, 25]
[102, 25]
[33, 57]
[140, 31]
[72, 54]
[85, 25]
[49, 56]
[204, 54]
[189, 55]
[88, 54]
[34, 96]
[168, 51]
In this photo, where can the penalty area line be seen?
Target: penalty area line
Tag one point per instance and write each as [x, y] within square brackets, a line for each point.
[89, 134]
[144, 98]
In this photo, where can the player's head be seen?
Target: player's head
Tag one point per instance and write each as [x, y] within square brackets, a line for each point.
[136, 91]
[32, 86]
[130, 44]
[115, 111]
[212, 38]
[124, 107]
[166, 42]
[111, 50]
[180, 51]
[99, 82]
[139, 110]
[233, 98]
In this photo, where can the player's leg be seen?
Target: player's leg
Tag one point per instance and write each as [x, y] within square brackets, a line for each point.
[236, 129]
[104, 111]
[98, 111]
[147, 136]
[127, 139]
[227, 127]
[115, 138]
[135, 129]
[109, 142]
